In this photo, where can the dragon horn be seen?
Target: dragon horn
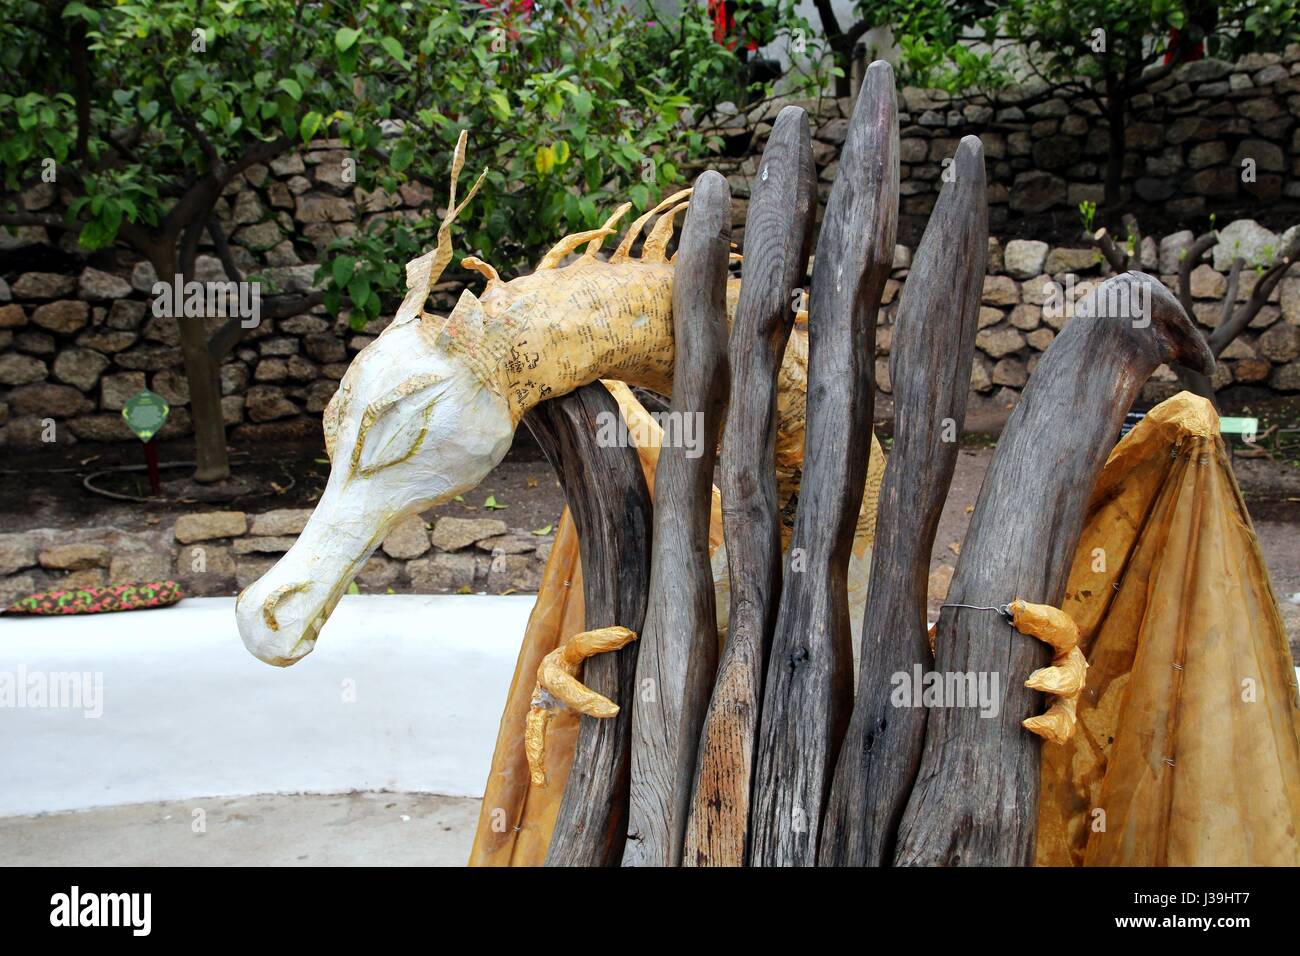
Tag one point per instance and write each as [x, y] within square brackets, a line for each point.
[442, 253]
[424, 271]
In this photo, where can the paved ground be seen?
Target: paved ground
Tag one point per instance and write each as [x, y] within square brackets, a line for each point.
[389, 829]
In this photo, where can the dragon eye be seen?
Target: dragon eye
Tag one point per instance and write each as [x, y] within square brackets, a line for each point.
[393, 427]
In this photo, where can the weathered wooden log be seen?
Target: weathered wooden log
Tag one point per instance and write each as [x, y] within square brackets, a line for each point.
[778, 238]
[976, 794]
[607, 495]
[930, 363]
[679, 643]
[809, 686]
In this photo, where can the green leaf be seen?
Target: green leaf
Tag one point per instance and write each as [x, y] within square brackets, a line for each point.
[394, 49]
[353, 589]
[359, 291]
[77, 9]
[308, 125]
[542, 531]
[500, 105]
[341, 269]
[292, 87]
[345, 38]
[492, 505]
[402, 156]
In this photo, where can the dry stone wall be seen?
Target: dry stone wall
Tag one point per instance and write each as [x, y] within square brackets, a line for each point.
[221, 552]
[78, 336]
[1185, 144]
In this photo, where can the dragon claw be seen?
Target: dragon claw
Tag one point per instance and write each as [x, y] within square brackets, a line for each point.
[1066, 675]
[557, 684]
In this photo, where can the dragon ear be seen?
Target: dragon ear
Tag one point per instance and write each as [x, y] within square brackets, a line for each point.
[464, 327]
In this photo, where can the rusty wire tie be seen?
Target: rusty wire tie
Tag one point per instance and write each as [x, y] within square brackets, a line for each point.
[1003, 609]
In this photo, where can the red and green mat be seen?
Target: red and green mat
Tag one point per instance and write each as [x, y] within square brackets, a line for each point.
[99, 600]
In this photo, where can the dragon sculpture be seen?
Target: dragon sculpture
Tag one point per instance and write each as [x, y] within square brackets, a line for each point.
[431, 406]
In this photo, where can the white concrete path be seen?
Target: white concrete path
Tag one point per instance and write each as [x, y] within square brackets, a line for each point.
[403, 693]
[363, 829]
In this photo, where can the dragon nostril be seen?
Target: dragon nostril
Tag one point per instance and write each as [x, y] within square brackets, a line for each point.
[273, 600]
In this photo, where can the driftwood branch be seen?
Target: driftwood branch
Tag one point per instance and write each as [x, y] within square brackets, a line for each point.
[1233, 319]
[1229, 304]
[679, 645]
[930, 364]
[607, 496]
[1191, 259]
[778, 238]
[809, 688]
[976, 796]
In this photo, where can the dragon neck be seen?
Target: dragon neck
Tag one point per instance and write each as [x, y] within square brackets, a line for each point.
[549, 333]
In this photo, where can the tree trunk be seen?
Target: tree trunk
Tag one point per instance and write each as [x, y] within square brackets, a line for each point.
[975, 802]
[679, 645]
[843, 55]
[809, 688]
[778, 238]
[607, 496]
[1115, 112]
[930, 363]
[203, 374]
[211, 458]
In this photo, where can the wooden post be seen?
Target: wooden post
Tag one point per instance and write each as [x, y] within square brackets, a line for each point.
[778, 238]
[607, 496]
[930, 363]
[976, 796]
[679, 644]
[809, 688]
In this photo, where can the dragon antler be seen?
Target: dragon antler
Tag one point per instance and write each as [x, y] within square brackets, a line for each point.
[423, 272]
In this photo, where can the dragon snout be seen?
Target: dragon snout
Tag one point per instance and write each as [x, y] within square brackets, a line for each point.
[279, 622]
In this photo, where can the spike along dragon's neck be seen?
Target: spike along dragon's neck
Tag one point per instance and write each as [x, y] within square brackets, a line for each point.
[543, 335]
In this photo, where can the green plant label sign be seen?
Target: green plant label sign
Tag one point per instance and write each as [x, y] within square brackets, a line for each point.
[1247, 428]
[145, 413]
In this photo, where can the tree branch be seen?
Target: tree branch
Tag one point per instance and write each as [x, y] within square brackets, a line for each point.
[232, 332]
[1190, 261]
[260, 152]
[78, 54]
[1242, 317]
[48, 219]
[1116, 257]
[223, 250]
[1229, 304]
